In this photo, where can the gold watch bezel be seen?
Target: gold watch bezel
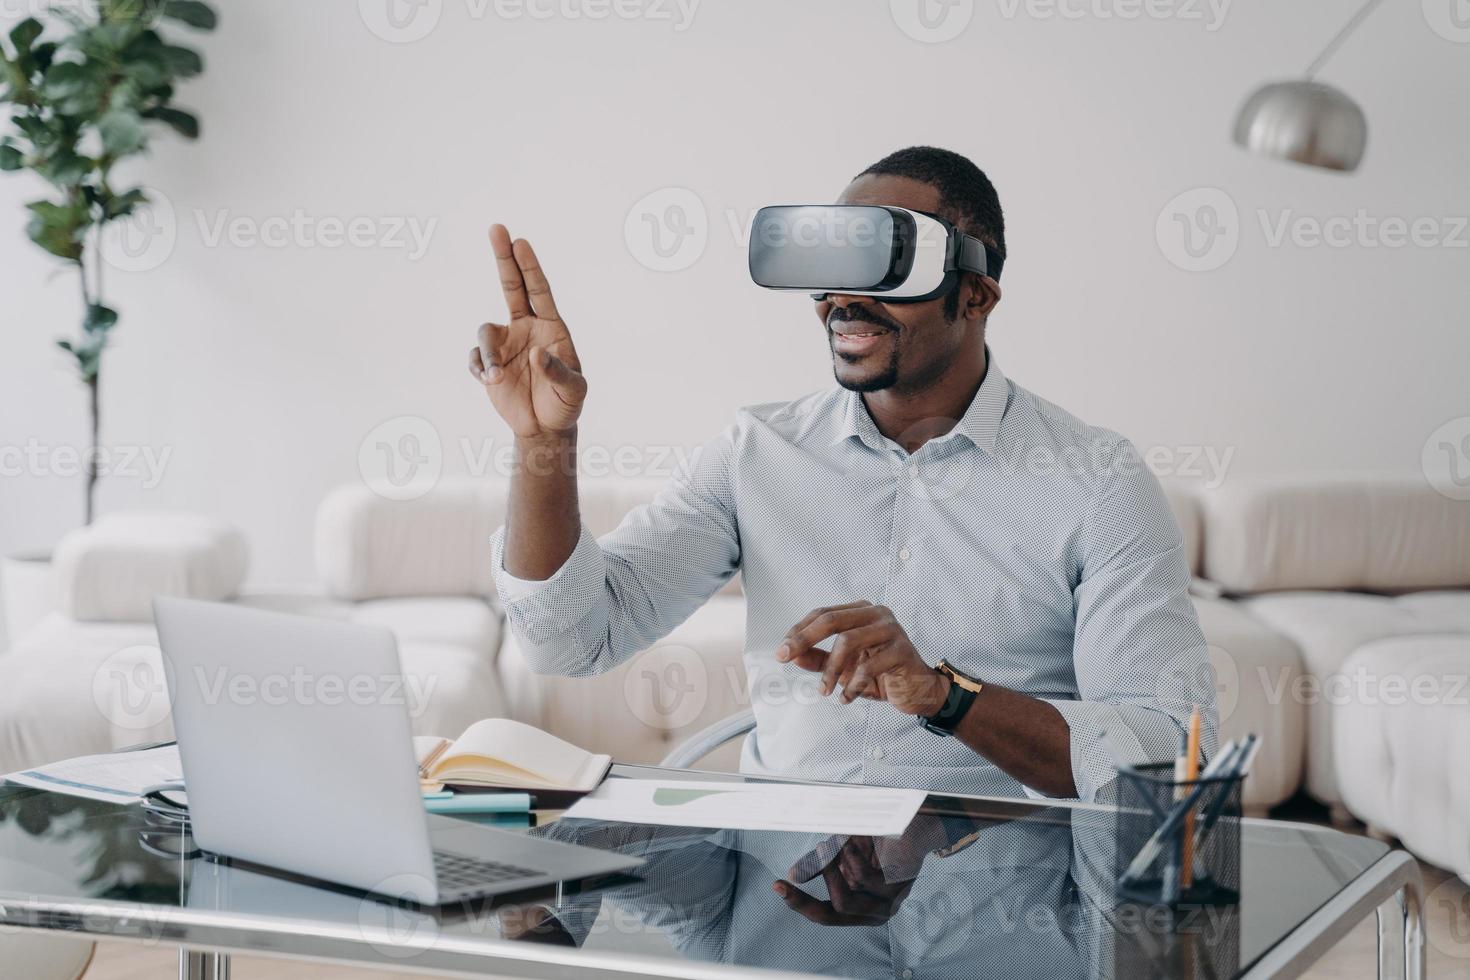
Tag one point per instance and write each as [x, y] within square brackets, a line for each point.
[968, 683]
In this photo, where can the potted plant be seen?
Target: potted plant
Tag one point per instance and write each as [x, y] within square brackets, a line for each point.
[81, 102]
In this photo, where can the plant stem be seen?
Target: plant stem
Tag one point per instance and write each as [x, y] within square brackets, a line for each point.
[92, 473]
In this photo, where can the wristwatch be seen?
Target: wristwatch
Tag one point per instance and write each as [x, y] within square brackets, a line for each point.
[962, 691]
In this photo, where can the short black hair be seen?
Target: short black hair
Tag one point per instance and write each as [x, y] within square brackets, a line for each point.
[966, 195]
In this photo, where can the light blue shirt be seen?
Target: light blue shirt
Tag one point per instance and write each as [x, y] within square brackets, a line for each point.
[1027, 548]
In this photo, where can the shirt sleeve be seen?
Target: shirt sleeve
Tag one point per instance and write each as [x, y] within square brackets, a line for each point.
[1141, 661]
[621, 594]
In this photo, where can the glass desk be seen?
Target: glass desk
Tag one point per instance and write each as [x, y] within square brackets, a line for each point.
[976, 886]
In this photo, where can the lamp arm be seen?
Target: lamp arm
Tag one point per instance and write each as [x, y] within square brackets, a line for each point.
[1341, 36]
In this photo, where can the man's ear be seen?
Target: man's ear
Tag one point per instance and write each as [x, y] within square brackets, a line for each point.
[982, 296]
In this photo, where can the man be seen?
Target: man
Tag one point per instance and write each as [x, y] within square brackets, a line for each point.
[928, 509]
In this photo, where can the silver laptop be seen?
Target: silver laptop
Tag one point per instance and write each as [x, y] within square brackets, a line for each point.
[298, 755]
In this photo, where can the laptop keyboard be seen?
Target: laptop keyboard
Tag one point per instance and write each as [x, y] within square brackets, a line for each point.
[458, 871]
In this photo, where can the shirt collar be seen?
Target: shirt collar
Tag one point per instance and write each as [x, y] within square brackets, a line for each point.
[980, 423]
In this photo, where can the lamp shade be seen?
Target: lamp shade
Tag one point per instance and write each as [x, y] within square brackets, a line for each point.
[1304, 121]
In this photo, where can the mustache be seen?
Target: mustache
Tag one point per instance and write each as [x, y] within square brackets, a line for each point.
[861, 314]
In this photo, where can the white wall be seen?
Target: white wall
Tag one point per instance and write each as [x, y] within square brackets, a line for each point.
[261, 370]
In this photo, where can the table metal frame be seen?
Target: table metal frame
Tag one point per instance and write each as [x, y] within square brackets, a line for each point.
[1391, 888]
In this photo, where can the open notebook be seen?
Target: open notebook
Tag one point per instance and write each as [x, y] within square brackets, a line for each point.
[503, 754]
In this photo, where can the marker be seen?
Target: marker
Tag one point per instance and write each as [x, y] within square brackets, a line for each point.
[478, 803]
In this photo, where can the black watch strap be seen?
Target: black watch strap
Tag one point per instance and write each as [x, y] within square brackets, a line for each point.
[947, 719]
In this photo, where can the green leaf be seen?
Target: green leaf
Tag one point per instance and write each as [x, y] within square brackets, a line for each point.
[122, 133]
[192, 12]
[10, 157]
[182, 62]
[64, 168]
[24, 34]
[99, 318]
[58, 229]
[186, 124]
[122, 205]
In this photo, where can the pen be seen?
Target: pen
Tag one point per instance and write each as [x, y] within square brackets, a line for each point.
[1191, 773]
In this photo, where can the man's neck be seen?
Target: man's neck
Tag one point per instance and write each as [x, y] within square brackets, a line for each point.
[912, 418]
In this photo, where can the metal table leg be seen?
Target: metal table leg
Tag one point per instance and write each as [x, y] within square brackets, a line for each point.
[197, 965]
[1392, 888]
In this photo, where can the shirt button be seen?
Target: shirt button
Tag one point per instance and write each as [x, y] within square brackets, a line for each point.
[913, 469]
[876, 752]
[907, 975]
[903, 554]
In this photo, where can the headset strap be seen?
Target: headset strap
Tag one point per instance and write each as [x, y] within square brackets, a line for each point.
[976, 256]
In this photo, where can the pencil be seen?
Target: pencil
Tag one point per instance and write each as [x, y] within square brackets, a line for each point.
[1191, 773]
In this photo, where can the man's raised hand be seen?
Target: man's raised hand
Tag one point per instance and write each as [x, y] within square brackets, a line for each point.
[529, 366]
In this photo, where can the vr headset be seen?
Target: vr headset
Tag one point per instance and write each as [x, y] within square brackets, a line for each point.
[900, 255]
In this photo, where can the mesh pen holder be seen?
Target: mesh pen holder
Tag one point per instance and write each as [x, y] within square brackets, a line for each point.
[1151, 833]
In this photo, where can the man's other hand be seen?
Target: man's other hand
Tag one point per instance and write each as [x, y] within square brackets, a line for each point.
[871, 657]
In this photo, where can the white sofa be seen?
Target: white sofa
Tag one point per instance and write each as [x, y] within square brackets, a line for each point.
[1282, 567]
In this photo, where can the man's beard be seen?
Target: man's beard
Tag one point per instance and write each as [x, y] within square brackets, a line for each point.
[885, 378]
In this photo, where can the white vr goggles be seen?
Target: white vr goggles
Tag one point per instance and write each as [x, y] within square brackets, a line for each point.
[900, 255]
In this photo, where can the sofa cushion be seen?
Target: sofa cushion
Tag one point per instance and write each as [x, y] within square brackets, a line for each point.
[369, 547]
[1252, 663]
[70, 689]
[1327, 627]
[1373, 533]
[453, 620]
[1401, 740]
[641, 709]
[111, 570]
